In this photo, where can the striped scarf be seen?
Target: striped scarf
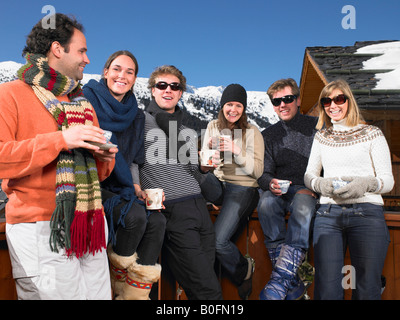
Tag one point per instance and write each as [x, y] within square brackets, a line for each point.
[77, 223]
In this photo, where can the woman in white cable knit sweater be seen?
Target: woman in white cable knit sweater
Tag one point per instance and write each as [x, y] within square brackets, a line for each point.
[350, 216]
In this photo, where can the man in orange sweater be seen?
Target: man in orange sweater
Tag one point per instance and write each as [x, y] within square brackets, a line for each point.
[55, 228]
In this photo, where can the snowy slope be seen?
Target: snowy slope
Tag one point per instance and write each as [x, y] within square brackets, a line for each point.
[202, 104]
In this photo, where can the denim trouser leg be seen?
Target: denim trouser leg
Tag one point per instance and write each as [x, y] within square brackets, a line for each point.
[302, 209]
[272, 211]
[271, 214]
[361, 228]
[238, 203]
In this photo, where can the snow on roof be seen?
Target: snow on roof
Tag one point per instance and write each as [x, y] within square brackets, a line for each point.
[390, 59]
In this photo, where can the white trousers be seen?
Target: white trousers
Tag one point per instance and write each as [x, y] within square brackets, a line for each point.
[42, 274]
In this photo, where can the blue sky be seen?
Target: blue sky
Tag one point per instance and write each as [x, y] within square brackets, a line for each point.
[213, 42]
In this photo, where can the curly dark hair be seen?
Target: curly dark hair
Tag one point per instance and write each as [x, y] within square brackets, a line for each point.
[39, 40]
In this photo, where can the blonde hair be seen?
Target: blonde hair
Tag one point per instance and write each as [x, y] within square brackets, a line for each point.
[167, 69]
[282, 84]
[353, 115]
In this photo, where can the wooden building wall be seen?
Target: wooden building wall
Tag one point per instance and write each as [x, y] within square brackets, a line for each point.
[254, 240]
[7, 285]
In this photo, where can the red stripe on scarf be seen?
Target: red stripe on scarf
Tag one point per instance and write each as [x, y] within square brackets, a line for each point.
[65, 184]
[61, 118]
[76, 117]
[23, 74]
[77, 92]
[53, 78]
[88, 114]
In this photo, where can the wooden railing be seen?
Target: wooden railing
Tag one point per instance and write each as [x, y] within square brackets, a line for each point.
[252, 239]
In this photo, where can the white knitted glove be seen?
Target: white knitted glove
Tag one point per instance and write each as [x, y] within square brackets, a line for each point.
[324, 186]
[357, 187]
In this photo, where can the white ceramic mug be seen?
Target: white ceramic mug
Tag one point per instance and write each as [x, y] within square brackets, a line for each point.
[107, 134]
[206, 157]
[154, 198]
[338, 183]
[105, 146]
[284, 185]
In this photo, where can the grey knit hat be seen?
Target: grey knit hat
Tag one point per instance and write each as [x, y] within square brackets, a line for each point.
[234, 92]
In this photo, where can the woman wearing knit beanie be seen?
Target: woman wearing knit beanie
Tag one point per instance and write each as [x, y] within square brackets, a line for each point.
[233, 184]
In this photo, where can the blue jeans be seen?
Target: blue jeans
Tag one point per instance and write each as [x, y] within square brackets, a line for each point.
[360, 227]
[238, 202]
[271, 213]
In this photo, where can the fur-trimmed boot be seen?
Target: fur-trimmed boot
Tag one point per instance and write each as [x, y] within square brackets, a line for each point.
[284, 278]
[118, 269]
[139, 281]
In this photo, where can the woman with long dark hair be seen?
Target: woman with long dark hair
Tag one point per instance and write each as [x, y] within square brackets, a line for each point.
[136, 236]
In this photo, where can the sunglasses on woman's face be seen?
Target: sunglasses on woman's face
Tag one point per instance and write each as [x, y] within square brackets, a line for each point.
[338, 100]
[286, 99]
[175, 86]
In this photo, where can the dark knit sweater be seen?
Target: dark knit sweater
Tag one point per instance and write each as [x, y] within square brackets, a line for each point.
[176, 179]
[287, 149]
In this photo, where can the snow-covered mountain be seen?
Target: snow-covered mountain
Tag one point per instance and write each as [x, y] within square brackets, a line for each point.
[201, 105]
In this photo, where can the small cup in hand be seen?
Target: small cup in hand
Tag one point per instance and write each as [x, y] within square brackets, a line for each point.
[284, 185]
[154, 198]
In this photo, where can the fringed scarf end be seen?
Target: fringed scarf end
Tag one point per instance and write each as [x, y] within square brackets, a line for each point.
[59, 223]
[97, 234]
[87, 233]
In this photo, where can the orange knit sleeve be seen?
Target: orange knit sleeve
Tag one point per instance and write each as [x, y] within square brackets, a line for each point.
[29, 139]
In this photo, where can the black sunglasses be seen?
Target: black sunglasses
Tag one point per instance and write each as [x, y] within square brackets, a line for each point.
[338, 100]
[175, 86]
[286, 99]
